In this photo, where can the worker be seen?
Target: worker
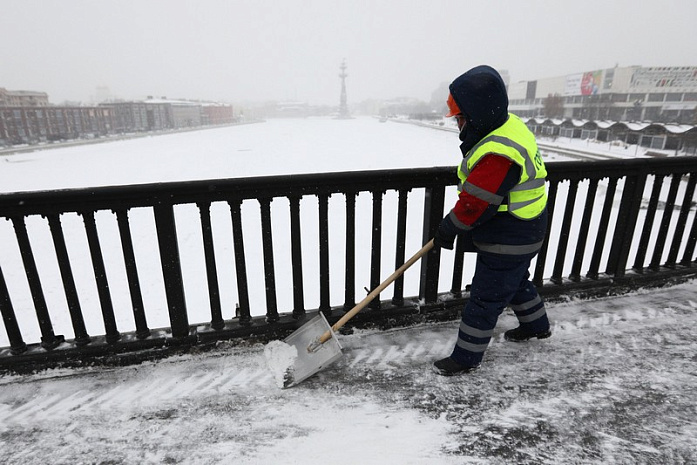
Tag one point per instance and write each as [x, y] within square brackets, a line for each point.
[500, 214]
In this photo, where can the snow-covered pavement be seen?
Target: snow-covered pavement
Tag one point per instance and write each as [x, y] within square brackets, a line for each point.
[616, 383]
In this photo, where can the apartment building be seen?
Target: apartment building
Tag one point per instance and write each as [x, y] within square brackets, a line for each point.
[634, 93]
[22, 98]
[30, 125]
[28, 118]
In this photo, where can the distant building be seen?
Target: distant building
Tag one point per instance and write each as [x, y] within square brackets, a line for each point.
[128, 116]
[289, 109]
[659, 136]
[186, 114]
[634, 93]
[216, 113]
[159, 116]
[28, 118]
[22, 98]
[405, 106]
[30, 125]
[141, 116]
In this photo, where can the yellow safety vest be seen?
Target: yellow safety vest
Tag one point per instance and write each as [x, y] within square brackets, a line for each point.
[514, 141]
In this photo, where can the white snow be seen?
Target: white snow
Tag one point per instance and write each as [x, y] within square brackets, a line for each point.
[311, 145]
[280, 358]
[614, 384]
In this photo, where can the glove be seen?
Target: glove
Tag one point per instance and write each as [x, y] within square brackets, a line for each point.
[446, 234]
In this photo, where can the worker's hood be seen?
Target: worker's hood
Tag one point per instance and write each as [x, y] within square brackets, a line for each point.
[481, 95]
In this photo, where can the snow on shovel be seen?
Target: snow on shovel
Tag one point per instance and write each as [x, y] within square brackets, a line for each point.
[314, 345]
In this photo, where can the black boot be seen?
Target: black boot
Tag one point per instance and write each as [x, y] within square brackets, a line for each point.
[519, 334]
[449, 367]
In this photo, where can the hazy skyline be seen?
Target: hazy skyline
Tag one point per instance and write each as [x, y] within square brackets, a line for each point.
[259, 50]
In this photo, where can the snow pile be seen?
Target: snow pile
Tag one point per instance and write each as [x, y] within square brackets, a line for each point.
[280, 358]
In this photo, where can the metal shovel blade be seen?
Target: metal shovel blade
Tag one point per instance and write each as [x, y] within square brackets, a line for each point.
[310, 362]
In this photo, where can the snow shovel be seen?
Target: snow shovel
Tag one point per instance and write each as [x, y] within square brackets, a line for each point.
[314, 345]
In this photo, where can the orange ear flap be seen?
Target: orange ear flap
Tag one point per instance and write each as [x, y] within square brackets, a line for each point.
[452, 106]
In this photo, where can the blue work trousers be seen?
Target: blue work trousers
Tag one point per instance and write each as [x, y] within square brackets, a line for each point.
[499, 281]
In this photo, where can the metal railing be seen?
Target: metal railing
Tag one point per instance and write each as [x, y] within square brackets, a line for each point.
[605, 236]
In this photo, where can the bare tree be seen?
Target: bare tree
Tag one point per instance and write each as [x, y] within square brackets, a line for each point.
[554, 106]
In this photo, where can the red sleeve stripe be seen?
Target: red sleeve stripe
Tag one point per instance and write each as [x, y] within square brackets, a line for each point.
[481, 190]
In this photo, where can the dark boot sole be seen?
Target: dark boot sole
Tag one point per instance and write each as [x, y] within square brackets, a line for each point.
[441, 372]
[544, 335]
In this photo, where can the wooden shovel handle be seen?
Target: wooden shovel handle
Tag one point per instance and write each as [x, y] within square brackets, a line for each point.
[359, 306]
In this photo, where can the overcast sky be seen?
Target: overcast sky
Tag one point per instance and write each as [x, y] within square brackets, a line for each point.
[258, 50]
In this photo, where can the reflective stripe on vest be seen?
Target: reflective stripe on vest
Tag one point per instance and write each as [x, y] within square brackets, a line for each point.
[514, 141]
[505, 249]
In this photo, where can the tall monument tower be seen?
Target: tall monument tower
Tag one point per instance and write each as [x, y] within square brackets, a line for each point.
[343, 106]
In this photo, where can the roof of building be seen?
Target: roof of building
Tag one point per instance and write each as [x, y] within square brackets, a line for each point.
[632, 126]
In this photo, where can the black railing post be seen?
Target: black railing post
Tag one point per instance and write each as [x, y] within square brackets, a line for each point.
[296, 258]
[434, 203]
[583, 231]
[350, 278]
[204, 209]
[563, 241]
[142, 330]
[665, 224]
[648, 225]
[690, 246]
[398, 296]
[171, 269]
[691, 242]
[324, 281]
[630, 203]
[48, 339]
[602, 229]
[269, 269]
[112, 333]
[541, 258]
[682, 221]
[242, 310]
[376, 247]
[78, 321]
[17, 344]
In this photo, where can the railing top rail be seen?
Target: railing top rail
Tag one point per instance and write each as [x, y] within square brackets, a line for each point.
[576, 170]
[290, 185]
